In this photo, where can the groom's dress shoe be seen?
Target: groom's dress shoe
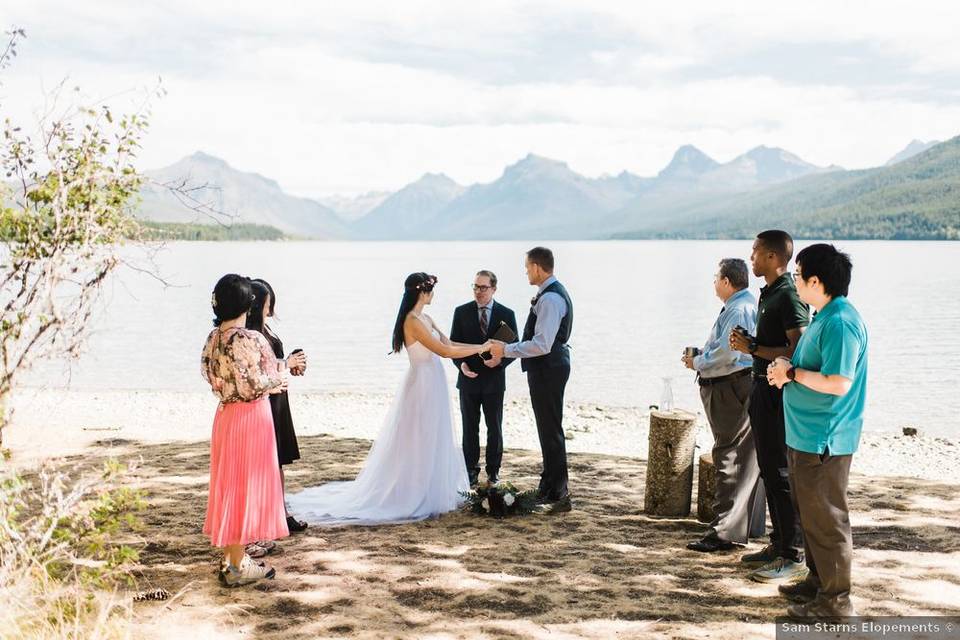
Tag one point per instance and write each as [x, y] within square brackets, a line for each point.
[493, 479]
[562, 505]
[474, 481]
[710, 544]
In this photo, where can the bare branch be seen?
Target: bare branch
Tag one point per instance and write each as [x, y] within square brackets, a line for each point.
[63, 235]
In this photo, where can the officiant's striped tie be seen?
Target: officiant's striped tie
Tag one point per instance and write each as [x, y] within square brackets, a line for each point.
[483, 321]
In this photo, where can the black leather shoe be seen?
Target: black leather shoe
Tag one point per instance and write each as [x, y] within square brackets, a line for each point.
[710, 544]
[552, 507]
[294, 525]
[493, 478]
[474, 480]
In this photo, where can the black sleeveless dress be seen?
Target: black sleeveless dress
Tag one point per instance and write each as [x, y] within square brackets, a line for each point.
[287, 449]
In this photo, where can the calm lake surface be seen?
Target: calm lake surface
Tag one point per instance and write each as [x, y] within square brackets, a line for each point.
[638, 303]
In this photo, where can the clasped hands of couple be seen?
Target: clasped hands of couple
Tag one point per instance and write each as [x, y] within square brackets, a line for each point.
[776, 371]
[495, 349]
[296, 365]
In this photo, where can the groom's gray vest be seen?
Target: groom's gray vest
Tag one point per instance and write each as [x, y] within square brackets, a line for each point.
[559, 355]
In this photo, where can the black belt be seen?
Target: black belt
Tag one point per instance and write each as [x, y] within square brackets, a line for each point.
[706, 382]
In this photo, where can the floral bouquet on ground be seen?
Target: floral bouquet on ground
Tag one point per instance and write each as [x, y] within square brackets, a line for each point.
[499, 500]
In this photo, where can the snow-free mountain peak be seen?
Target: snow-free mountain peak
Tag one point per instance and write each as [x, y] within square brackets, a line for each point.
[687, 163]
[915, 147]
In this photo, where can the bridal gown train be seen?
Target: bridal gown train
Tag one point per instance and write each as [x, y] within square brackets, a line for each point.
[414, 470]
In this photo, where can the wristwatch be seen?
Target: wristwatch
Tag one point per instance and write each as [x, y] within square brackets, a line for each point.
[792, 374]
[752, 347]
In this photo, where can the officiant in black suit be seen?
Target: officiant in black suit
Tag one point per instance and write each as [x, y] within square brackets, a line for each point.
[482, 383]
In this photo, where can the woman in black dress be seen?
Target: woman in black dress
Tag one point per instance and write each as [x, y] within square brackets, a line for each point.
[264, 304]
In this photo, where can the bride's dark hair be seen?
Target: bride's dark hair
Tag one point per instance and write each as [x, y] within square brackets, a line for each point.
[413, 286]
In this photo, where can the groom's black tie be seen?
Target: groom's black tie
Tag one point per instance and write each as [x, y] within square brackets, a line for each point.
[483, 321]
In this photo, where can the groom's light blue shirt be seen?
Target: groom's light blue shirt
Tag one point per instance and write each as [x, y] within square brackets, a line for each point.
[550, 309]
[718, 359]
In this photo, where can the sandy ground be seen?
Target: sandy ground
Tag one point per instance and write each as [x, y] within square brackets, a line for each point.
[605, 570]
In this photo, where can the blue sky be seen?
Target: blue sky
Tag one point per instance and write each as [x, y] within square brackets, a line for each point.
[347, 97]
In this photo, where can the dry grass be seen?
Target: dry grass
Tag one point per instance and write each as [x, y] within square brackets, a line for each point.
[60, 563]
[604, 570]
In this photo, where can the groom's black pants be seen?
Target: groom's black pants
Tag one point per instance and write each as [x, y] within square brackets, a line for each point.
[492, 405]
[547, 385]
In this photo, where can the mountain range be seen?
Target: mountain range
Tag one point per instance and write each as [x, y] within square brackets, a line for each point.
[913, 196]
[203, 188]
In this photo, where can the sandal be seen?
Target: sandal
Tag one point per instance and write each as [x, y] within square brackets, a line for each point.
[294, 525]
[260, 548]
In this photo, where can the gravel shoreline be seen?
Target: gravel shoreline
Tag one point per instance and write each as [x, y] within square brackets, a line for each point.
[56, 422]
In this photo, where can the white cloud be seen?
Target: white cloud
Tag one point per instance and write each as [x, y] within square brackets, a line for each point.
[353, 96]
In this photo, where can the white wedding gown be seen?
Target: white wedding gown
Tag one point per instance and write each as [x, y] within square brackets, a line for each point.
[414, 469]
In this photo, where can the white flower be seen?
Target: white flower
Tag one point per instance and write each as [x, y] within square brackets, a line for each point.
[508, 499]
[485, 504]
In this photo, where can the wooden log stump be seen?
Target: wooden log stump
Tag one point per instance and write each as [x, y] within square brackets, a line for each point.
[673, 439]
[706, 488]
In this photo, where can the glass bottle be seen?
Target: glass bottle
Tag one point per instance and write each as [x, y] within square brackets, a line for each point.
[666, 395]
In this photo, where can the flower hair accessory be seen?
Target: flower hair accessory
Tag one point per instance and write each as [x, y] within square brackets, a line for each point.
[427, 285]
[213, 301]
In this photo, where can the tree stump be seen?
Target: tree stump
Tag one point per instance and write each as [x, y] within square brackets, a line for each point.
[706, 488]
[673, 439]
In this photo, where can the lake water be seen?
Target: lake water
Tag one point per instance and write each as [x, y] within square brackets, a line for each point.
[638, 304]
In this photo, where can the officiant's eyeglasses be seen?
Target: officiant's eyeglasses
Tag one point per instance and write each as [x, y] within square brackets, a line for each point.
[481, 287]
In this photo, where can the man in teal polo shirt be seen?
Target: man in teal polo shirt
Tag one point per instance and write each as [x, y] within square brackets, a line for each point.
[824, 392]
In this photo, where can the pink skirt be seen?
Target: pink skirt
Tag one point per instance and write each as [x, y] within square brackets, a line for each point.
[245, 503]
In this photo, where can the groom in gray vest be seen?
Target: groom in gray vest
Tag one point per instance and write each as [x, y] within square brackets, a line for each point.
[545, 357]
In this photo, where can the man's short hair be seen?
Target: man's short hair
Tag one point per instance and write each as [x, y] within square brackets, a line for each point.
[735, 270]
[777, 241]
[489, 274]
[831, 266]
[541, 256]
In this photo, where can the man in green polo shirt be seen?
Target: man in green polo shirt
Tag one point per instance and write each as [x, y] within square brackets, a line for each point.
[824, 389]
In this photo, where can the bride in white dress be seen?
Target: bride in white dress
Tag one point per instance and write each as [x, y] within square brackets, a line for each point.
[415, 468]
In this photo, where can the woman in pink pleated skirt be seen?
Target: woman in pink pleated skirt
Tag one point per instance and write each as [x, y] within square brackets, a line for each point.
[245, 503]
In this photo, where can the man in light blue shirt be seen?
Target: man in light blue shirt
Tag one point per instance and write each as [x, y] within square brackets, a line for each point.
[544, 355]
[725, 381]
[824, 391]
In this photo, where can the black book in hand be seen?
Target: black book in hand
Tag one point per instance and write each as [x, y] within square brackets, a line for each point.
[504, 334]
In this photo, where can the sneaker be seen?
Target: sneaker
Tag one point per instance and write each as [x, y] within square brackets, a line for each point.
[765, 556]
[802, 592]
[780, 570]
[247, 573]
[823, 608]
[223, 567]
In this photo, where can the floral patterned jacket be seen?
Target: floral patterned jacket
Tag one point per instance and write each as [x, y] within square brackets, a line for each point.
[239, 365]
